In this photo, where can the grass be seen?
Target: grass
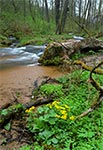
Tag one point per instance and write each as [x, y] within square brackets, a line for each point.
[39, 39]
[54, 126]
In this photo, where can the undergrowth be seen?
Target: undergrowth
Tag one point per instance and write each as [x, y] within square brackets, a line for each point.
[54, 126]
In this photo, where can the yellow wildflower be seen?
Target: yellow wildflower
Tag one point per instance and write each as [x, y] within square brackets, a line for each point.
[63, 112]
[72, 118]
[54, 103]
[26, 110]
[30, 109]
[63, 108]
[57, 106]
[64, 117]
[58, 116]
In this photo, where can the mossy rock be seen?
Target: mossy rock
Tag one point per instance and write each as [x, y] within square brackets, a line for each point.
[4, 41]
[52, 54]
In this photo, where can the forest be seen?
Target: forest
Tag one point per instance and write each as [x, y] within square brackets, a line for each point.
[65, 112]
[44, 18]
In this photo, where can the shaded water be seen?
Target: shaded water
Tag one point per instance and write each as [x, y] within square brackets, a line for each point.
[19, 69]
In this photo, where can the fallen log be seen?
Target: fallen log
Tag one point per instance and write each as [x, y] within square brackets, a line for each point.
[12, 111]
[56, 51]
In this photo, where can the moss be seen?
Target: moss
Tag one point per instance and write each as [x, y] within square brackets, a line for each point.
[53, 61]
[77, 62]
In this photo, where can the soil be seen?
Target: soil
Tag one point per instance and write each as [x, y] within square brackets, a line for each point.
[19, 81]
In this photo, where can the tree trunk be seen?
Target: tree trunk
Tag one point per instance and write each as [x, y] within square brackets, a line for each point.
[14, 5]
[57, 11]
[47, 11]
[63, 18]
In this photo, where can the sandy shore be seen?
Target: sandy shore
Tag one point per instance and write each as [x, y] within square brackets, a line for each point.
[19, 81]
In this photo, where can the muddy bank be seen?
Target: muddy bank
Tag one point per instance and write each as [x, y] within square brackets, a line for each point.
[19, 81]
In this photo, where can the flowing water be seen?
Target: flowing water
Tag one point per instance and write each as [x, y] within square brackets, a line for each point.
[27, 55]
[19, 69]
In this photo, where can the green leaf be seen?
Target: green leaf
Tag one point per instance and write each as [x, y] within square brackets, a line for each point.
[46, 134]
[90, 134]
[48, 142]
[40, 110]
[52, 121]
[4, 112]
[54, 140]
[7, 126]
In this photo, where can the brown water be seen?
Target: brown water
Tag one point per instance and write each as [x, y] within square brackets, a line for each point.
[18, 81]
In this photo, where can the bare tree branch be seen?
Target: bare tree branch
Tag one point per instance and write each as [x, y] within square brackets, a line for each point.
[97, 102]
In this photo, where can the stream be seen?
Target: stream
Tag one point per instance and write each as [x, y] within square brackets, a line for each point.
[27, 55]
[19, 69]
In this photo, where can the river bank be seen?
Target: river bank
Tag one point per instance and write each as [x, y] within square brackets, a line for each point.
[19, 81]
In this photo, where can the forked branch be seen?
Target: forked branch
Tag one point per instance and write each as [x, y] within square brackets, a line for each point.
[99, 88]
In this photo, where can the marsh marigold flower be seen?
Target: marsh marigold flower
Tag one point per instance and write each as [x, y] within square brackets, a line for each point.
[63, 112]
[72, 118]
[30, 109]
[64, 117]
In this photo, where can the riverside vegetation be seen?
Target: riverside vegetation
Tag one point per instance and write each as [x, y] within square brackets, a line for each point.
[54, 126]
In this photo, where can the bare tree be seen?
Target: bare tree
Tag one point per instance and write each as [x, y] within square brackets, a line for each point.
[30, 8]
[57, 11]
[14, 6]
[63, 18]
[46, 10]
[24, 1]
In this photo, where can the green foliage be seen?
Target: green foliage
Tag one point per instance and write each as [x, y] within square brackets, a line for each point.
[54, 126]
[26, 147]
[53, 61]
[4, 112]
[77, 56]
[51, 89]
